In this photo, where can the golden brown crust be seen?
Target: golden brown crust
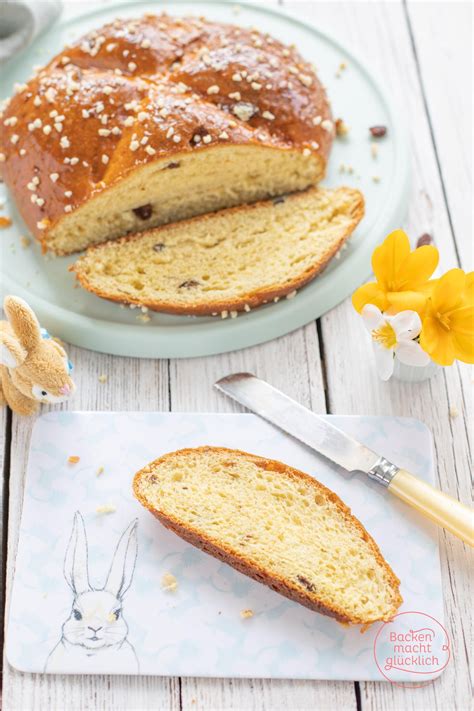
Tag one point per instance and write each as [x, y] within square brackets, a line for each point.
[250, 299]
[159, 73]
[239, 562]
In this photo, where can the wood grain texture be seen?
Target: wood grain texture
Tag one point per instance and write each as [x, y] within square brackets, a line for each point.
[417, 51]
[382, 35]
[131, 385]
[293, 364]
[442, 42]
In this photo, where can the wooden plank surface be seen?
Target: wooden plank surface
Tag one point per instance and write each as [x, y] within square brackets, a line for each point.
[293, 364]
[442, 39]
[132, 384]
[382, 34]
[325, 368]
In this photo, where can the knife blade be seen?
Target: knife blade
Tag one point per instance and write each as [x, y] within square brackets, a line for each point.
[295, 419]
[319, 434]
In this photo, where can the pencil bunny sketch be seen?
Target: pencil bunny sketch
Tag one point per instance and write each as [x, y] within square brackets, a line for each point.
[94, 637]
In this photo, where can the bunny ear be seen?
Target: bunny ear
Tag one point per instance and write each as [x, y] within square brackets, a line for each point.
[23, 321]
[12, 353]
[121, 570]
[75, 561]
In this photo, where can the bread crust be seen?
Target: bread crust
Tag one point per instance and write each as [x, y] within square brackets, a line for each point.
[239, 562]
[251, 299]
[140, 69]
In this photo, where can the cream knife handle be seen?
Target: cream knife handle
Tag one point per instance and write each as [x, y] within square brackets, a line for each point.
[434, 504]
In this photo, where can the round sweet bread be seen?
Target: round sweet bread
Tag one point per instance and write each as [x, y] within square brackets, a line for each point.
[152, 120]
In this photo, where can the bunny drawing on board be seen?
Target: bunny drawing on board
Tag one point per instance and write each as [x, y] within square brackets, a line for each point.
[94, 636]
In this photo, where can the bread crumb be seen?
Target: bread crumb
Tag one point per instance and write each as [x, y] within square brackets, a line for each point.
[99, 471]
[376, 178]
[144, 318]
[102, 378]
[246, 614]
[73, 459]
[453, 412]
[342, 129]
[5, 222]
[25, 242]
[169, 582]
[106, 509]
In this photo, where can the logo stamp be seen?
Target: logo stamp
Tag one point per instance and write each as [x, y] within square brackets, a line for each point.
[414, 647]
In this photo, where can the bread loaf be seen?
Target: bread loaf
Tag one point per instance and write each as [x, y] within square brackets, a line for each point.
[228, 261]
[275, 524]
[152, 120]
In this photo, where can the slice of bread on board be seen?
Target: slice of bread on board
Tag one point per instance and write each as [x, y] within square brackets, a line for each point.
[274, 524]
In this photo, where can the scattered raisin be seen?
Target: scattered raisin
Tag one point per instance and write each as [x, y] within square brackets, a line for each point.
[158, 247]
[189, 284]
[144, 212]
[378, 131]
[172, 165]
[278, 200]
[304, 581]
[424, 239]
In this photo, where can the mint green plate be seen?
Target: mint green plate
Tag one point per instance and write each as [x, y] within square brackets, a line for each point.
[85, 320]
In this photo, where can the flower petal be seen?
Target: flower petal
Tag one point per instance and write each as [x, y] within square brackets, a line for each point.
[418, 267]
[405, 301]
[436, 341]
[464, 347]
[462, 321]
[372, 317]
[389, 257]
[383, 361]
[369, 294]
[411, 353]
[470, 287]
[448, 292]
[406, 324]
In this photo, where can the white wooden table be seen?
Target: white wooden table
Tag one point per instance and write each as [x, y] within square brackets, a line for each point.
[421, 50]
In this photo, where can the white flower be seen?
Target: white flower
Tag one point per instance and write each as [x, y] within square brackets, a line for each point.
[393, 336]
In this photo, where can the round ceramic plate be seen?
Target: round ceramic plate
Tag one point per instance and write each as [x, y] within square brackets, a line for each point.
[83, 319]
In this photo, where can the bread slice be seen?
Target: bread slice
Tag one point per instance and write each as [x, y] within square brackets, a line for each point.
[231, 260]
[274, 524]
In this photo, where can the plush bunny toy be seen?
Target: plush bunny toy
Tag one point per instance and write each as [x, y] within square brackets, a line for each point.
[34, 368]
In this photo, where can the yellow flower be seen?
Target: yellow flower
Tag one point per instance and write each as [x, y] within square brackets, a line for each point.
[448, 327]
[402, 276]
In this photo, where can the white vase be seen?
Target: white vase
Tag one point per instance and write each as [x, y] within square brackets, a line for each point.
[414, 373]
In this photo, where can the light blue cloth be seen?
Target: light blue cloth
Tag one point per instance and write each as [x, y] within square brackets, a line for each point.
[21, 21]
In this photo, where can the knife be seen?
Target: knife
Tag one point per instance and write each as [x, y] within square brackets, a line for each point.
[316, 432]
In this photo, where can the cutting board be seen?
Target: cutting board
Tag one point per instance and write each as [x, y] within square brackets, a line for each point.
[81, 318]
[197, 630]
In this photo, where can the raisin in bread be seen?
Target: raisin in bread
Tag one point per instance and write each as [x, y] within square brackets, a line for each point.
[148, 121]
[275, 524]
[231, 260]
